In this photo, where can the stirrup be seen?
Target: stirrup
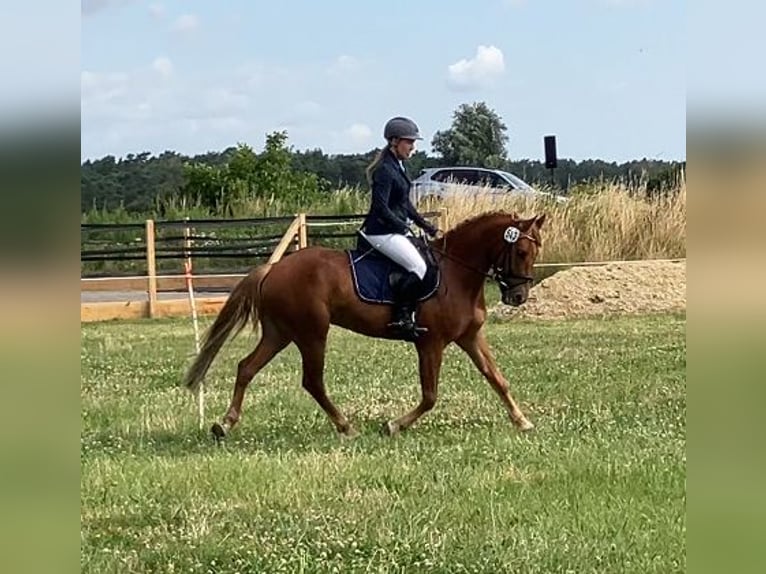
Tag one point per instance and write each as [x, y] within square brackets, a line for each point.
[406, 330]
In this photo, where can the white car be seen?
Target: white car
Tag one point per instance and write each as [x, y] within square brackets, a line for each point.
[442, 182]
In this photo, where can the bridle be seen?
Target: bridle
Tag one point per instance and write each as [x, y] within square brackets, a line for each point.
[505, 281]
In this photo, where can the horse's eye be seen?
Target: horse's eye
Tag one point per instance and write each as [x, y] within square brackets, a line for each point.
[522, 254]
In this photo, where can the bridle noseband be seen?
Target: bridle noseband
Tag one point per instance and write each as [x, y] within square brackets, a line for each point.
[503, 280]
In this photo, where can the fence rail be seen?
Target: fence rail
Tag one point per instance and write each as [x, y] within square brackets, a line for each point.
[116, 258]
[168, 261]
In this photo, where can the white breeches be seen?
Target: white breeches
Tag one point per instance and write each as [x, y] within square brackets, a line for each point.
[399, 250]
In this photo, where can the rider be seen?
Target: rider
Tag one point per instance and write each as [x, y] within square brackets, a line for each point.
[387, 224]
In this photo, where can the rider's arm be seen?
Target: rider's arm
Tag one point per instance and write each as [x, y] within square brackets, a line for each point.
[381, 189]
[419, 220]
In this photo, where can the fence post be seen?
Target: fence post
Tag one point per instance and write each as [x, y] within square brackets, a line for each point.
[303, 240]
[188, 274]
[151, 268]
[287, 239]
[443, 219]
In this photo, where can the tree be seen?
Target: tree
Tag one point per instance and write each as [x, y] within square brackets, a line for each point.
[228, 181]
[477, 137]
[246, 176]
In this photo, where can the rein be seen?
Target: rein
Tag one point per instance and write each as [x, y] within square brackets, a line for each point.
[495, 269]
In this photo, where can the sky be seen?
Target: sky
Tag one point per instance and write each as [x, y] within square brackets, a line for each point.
[606, 77]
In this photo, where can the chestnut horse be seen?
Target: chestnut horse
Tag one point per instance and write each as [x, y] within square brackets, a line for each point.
[297, 299]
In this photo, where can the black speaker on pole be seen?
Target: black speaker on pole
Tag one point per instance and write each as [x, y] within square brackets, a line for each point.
[550, 152]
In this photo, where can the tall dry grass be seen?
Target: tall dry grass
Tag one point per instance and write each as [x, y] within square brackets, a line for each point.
[611, 223]
[599, 222]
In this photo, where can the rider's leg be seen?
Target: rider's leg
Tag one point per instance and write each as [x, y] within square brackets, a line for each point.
[407, 288]
[406, 292]
[399, 250]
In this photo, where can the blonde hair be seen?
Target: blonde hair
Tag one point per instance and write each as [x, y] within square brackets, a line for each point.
[378, 158]
[370, 168]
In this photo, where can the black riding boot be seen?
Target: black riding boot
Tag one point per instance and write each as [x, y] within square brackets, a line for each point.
[406, 292]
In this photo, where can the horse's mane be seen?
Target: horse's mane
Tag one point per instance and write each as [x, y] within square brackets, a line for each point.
[471, 220]
[485, 215]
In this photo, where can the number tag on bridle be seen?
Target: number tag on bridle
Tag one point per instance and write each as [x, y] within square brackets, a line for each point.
[512, 234]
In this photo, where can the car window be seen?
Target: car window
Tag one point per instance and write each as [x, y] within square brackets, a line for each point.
[452, 176]
[466, 176]
[483, 178]
[517, 182]
[498, 181]
[489, 179]
[442, 175]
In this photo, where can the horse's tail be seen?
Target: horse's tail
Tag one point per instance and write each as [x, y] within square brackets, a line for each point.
[240, 307]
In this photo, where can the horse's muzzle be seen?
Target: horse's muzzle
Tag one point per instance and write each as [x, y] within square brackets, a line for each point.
[513, 297]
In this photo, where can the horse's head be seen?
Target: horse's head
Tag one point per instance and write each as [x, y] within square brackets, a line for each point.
[515, 258]
[499, 245]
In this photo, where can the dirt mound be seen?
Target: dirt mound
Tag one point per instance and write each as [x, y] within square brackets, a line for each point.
[617, 288]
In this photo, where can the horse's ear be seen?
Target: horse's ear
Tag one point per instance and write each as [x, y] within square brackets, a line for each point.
[525, 224]
[539, 220]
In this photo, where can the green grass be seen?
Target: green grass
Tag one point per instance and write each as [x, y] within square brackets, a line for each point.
[599, 486]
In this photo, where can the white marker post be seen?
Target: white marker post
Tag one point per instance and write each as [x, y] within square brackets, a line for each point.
[193, 305]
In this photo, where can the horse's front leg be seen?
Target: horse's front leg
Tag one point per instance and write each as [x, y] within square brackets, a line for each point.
[478, 349]
[430, 361]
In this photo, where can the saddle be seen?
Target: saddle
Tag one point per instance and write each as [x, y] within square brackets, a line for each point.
[375, 276]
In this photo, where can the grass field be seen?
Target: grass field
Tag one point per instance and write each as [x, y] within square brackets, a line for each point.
[599, 486]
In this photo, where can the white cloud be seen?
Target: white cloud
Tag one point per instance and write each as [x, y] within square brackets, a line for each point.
[117, 99]
[186, 23]
[358, 133]
[131, 110]
[163, 65]
[478, 72]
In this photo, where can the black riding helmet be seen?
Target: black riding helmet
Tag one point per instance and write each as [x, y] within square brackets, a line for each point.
[402, 128]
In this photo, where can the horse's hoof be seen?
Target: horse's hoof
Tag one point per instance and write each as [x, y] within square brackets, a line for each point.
[218, 432]
[526, 426]
[349, 434]
[390, 428]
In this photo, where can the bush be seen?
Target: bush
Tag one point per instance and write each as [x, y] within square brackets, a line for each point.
[227, 189]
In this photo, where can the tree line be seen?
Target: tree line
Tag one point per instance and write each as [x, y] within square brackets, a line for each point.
[220, 180]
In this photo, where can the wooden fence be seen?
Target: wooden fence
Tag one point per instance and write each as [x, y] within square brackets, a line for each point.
[155, 283]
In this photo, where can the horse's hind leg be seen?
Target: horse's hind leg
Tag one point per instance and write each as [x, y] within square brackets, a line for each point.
[476, 346]
[313, 354]
[268, 347]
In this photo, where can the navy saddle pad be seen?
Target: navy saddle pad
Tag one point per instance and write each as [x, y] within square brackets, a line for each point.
[370, 271]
